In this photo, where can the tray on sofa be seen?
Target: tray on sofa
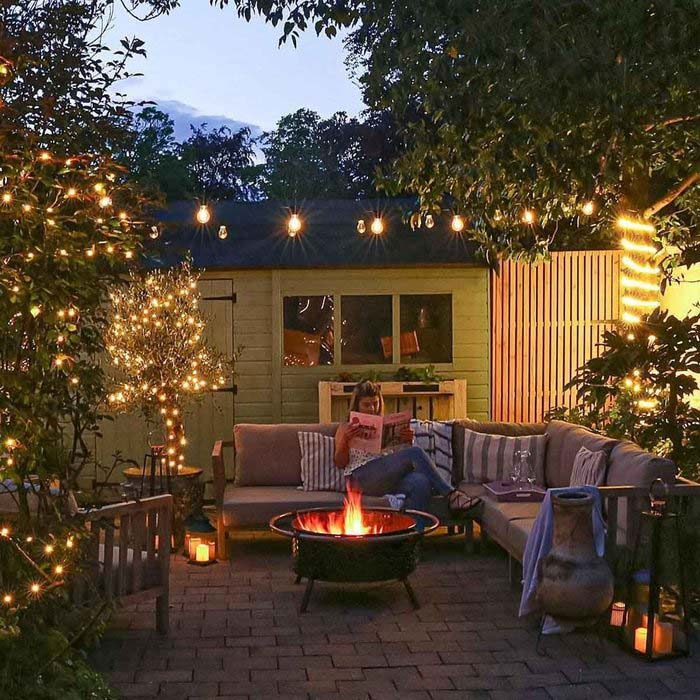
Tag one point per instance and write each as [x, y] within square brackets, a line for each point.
[507, 491]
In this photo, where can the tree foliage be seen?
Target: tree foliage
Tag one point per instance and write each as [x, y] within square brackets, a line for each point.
[310, 157]
[641, 388]
[506, 105]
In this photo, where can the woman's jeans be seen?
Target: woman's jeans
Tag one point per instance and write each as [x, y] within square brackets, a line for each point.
[409, 471]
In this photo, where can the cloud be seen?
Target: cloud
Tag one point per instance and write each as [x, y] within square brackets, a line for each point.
[183, 115]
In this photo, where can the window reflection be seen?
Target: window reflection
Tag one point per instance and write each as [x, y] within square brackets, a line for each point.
[308, 331]
[365, 336]
[426, 328]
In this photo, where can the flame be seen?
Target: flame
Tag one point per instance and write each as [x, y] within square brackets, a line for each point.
[351, 520]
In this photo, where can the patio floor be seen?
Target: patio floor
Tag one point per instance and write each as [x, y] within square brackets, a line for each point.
[237, 633]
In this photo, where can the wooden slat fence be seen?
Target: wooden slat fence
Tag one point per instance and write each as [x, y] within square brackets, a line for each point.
[546, 321]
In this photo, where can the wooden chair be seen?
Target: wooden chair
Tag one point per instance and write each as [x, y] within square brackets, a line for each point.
[130, 552]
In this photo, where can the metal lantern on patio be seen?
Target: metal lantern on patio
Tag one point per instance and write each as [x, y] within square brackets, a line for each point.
[200, 540]
[655, 621]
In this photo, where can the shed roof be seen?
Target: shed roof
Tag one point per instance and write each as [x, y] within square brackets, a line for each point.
[257, 236]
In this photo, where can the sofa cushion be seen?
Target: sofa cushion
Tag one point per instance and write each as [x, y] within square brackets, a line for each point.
[518, 532]
[255, 505]
[491, 457]
[318, 470]
[629, 464]
[589, 468]
[490, 427]
[269, 455]
[497, 516]
[565, 440]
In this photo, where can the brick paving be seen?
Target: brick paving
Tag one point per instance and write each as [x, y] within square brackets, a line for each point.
[237, 634]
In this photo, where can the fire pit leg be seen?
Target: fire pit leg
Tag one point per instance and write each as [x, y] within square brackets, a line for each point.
[307, 595]
[411, 594]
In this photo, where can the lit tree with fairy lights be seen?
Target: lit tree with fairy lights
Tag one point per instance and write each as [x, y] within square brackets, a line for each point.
[155, 341]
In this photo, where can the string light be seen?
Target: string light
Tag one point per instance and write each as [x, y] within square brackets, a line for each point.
[588, 208]
[154, 232]
[6, 197]
[429, 221]
[457, 224]
[529, 217]
[641, 269]
[377, 226]
[361, 228]
[71, 192]
[627, 224]
[638, 284]
[293, 225]
[223, 233]
[638, 247]
[640, 303]
[105, 201]
[628, 317]
[203, 214]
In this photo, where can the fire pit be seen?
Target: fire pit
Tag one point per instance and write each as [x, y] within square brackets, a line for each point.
[354, 545]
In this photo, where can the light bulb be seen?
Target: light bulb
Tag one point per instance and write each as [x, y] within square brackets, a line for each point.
[154, 232]
[71, 192]
[203, 214]
[429, 221]
[528, 217]
[377, 227]
[105, 201]
[294, 225]
[361, 228]
[223, 233]
[457, 223]
[588, 208]
[6, 197]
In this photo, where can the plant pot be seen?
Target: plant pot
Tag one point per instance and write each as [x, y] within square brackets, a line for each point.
[574, 584]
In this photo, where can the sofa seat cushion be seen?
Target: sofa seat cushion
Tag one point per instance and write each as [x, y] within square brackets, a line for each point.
[497, 516]
[518, 532]
[565, 440]
[255, 505]
[269, 455]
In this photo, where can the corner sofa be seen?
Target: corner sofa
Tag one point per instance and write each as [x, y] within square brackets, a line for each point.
[268, 474]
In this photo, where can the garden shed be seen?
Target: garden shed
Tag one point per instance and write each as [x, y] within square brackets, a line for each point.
[326, 303]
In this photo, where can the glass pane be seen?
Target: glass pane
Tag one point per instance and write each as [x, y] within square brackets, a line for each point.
[308, 331]
[365, 337]
[426, 328]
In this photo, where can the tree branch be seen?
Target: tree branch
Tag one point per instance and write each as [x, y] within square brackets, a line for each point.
[671, 122]
[672, 195]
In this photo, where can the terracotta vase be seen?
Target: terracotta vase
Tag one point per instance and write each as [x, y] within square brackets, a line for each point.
[573, 583]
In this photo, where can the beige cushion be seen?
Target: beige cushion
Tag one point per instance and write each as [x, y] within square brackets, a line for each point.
[589, 468]
[565, 440]
[269, 455]
[497, 516]
[490, 427]
[518, 532]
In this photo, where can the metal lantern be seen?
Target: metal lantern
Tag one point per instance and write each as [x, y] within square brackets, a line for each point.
[200, 540]
[655, 619]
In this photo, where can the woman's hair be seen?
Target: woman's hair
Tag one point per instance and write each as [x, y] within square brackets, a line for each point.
[364, 389]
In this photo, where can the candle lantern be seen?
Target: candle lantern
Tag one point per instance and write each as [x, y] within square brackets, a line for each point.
[655, 624]
[200, 540]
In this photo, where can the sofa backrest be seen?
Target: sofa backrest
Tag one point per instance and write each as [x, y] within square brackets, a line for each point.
[563, 443]
[269, 455]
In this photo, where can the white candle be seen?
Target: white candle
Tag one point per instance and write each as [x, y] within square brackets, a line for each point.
[617, 615]
[202, 553]
[640, 640]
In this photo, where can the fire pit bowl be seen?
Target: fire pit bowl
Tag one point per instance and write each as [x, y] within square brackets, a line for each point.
[387, 550]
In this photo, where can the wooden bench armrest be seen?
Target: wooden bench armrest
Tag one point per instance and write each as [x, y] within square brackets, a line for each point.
[219, 471]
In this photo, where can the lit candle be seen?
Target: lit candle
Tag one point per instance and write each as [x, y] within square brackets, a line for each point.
[640, 640]
[617, 615]
[194, 543]
[202, 553]
[663, 637]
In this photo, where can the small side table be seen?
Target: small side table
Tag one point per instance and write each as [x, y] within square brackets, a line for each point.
[187, 489]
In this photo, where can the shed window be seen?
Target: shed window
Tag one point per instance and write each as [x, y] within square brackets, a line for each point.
[426, 328]
[308, 331]
[365, 335]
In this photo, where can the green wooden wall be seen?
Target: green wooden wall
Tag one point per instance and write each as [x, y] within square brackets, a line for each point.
[269, 392]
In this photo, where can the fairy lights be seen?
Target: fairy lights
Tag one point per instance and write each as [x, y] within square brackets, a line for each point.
[457, 224]
[155, 338]
[294, 225]
[377, 226]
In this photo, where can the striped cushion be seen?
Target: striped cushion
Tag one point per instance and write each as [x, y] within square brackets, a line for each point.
[435, 438]
[589, 468]
[318, 471]
[490, 457]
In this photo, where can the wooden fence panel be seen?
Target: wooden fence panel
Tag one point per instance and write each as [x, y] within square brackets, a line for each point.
[546, 321]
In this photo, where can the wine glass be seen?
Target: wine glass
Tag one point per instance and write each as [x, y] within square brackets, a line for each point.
[515, 473]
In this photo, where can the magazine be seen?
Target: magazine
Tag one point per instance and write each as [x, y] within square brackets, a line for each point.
[379, 433]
